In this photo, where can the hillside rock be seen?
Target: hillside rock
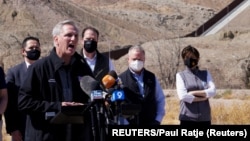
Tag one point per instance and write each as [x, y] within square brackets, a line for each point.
[156, 25]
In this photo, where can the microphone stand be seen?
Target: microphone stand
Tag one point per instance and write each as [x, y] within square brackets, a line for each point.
[99, 134]
[93, 124]
[119, 119]
[117, 114]
[99, 119]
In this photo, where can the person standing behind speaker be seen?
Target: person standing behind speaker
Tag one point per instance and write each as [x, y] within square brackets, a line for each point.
[98, 63]
[15, 120]
[194, 88]
[3, 99]
[142, 87]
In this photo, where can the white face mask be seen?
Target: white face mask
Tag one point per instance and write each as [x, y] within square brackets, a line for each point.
[136, 65]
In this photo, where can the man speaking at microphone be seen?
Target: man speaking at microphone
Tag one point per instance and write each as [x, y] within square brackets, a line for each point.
[52, 84]
[142, 87]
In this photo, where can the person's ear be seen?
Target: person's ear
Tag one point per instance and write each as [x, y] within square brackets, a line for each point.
[23, 52]
[82, 41]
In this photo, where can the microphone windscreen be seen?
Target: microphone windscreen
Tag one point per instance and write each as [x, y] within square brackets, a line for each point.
[88, 84]
[109, 80]
[113, 74]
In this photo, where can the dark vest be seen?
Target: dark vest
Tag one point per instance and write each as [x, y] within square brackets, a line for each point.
[101, 67]
[132, 94]
[196, 111]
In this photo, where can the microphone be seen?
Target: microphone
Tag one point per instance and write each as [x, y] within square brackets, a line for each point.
[113, 86]
[97, 104]
[117, 95]
[96, 95]
[92, 88]
[109, 80]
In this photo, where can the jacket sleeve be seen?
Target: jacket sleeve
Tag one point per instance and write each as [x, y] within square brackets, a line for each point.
[33, 96]
[11, 114]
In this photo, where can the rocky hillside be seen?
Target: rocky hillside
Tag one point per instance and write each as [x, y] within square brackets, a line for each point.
[156, 25]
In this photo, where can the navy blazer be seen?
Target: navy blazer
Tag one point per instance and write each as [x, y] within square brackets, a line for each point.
[14, 119]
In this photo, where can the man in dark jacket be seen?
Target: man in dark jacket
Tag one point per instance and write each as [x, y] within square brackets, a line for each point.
[142, 87]
[100, 66]
[52, 83]
[15, 120]
[3, 98]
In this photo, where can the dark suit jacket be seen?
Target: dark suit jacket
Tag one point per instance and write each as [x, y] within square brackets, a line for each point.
[14, 119]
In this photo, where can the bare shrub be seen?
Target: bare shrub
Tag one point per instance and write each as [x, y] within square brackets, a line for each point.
[230, 111]
[227, 109]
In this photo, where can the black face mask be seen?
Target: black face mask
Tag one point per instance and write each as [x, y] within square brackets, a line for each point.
[190, 62]
[33, 54]
[90, 46]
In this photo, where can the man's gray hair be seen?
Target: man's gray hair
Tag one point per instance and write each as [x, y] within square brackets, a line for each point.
[136, 47]
[58, 27]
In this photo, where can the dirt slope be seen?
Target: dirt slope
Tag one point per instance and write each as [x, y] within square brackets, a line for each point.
[154, 24]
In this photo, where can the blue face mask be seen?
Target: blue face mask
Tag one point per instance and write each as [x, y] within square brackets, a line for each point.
[90, 46]
[190, 62]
